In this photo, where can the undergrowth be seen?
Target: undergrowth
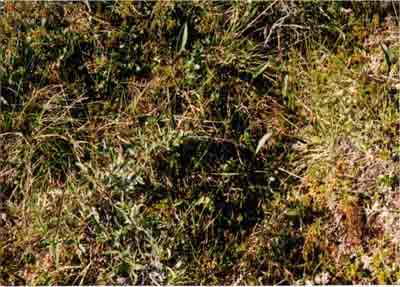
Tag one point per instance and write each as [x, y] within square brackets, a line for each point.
[199, 143]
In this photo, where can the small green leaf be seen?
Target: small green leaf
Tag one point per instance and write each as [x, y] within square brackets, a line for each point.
[293, 212]
[285, 85]
[184, 34]
[260, 69]
[263, 140]
[387, 53]
[390, 58]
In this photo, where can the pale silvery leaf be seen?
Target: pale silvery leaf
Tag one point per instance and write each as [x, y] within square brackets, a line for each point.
[263, 140]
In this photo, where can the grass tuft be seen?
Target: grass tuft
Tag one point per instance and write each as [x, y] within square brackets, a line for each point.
[168, 142]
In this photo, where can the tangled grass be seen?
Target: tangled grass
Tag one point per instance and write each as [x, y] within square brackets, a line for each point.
[199, 143]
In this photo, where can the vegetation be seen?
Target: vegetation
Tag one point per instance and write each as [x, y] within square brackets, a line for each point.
[199, 142]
